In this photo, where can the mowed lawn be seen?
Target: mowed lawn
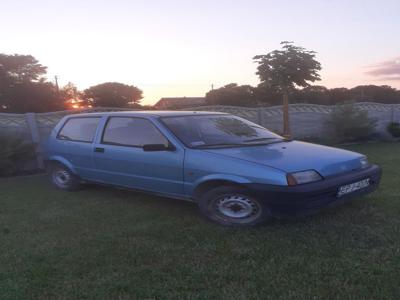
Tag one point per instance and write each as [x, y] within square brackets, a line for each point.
[104, 243]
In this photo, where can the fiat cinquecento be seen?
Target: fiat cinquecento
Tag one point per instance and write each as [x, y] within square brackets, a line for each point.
[238, 172]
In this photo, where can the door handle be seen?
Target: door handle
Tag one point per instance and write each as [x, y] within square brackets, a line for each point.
[99, 149]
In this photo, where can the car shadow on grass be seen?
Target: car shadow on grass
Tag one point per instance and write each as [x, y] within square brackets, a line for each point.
[342, 213]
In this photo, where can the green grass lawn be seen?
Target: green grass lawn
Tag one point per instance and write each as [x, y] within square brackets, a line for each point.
[104, 243]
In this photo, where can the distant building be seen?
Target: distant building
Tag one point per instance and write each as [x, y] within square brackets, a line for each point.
[179, 102]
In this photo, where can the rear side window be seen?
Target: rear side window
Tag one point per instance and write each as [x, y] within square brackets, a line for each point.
[133, 132]
[79, 129]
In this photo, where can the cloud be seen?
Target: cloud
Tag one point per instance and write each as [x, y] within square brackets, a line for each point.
[386, 70]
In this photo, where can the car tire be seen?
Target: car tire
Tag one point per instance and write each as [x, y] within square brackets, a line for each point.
[63, 178]
[233, 206]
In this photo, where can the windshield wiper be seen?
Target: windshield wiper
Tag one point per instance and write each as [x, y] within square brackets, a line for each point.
[219, 145]
[267, 141]
[261, 139]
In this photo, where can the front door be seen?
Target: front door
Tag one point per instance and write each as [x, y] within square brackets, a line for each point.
[120, 159]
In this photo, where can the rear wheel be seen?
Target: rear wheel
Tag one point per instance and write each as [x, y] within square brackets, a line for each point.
[234, 206]
[62, 177]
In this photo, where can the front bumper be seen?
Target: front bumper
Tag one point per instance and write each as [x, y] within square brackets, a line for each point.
[310, 198]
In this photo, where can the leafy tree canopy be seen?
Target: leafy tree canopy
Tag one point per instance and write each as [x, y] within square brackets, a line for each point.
[315, 94]
[20, 68]
[114, 94]
[23, 88]
[33, 97]
[289, 67]
[383, 93]
[232, 94]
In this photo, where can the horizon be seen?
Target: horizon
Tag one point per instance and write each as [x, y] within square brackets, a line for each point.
[181, 49]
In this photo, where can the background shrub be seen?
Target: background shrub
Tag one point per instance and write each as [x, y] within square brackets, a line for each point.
[13, 152]
[394, 129]
[350, 124]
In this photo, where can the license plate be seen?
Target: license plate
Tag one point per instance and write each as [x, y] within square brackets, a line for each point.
[352, 187]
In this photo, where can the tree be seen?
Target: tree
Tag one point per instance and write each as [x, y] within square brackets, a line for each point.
[20, 68]
[338, 95]
[34, 97]
[285, 69]
[113, 94]
[73, 98]
[232, 94]
[23, 88]
[374, 93]
[315, 94]
[70, 91]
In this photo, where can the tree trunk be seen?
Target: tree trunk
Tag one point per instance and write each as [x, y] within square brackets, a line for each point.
[286, 124]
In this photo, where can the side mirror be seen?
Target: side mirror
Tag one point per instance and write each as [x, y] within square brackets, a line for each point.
[158, 147]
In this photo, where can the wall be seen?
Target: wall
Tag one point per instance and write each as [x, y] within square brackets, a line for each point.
[307, 120]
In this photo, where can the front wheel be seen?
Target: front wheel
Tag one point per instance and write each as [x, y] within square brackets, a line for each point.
[62, 177]
[233, 206]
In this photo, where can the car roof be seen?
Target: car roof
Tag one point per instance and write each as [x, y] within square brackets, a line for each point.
[148, 113]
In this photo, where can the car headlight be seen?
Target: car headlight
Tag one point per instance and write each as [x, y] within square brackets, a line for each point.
[303, 177]
[364, 162]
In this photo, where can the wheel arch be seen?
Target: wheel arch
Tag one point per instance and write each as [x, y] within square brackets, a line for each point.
[60, 160]
[207, 185]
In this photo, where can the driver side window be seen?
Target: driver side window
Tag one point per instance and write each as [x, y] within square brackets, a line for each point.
[132, 132]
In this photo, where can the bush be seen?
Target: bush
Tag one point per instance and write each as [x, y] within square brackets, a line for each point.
[350, 123]
[394, 129]
[13, 152]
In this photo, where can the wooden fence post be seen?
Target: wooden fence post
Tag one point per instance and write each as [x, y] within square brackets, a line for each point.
[260, 117]
[34, 131]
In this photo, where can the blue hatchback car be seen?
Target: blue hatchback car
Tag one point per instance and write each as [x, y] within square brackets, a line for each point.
[238, 172]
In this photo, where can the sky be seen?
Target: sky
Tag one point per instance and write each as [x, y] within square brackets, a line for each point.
[182, 48]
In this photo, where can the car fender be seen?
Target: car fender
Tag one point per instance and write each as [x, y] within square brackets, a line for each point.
[225, 177]
[63, 161]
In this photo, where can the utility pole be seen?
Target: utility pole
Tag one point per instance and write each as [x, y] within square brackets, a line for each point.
[56, 80]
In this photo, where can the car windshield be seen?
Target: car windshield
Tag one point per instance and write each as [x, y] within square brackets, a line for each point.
[218, 131]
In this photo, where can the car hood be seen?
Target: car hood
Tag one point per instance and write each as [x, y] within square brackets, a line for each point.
[295, 156]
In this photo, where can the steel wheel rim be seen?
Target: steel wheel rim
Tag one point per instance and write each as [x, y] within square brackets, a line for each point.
[61, 177]
[238, 207]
